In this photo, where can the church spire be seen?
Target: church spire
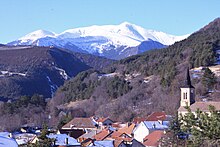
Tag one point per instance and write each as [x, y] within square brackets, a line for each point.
[187, 92]
[188, 80]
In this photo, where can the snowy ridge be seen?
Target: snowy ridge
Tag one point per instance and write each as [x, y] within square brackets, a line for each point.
[125, 33]
[99, 40]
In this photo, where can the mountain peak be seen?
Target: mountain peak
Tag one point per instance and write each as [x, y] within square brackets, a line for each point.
[38, 34]
[125, 23]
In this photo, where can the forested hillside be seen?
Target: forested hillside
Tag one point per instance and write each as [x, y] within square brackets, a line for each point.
[28, 70]
[143, 83]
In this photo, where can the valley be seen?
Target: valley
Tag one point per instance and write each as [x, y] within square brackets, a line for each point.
[47, 83]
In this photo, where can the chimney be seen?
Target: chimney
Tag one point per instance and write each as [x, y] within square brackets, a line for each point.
[154, 125]
[10, 135]
[128, 124]
[66, 141]
[54, 142]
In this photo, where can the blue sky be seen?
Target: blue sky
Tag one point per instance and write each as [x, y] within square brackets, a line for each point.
[19, 17]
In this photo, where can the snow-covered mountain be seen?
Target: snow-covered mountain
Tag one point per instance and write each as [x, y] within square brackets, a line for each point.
[109, 40]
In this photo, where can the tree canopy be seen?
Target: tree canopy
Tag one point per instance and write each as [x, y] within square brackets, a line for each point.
[201, 128]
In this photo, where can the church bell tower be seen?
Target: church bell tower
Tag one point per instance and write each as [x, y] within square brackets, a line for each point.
[187, 92]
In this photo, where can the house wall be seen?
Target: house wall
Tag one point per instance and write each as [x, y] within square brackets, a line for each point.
[122, 145]
[135, 143]
[140, 132]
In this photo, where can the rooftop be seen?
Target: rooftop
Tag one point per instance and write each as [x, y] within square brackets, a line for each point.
[80, 123]
[102, 135]
[156, 125]
[153, 138]
[61, 139]
[155, 116]
[203, 106]
[128, 129]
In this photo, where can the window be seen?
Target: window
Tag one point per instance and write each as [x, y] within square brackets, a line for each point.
[185, 95]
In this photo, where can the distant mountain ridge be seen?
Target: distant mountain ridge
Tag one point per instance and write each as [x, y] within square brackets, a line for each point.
[108, 40]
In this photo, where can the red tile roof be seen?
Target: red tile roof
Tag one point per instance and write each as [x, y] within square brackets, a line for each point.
[128, 129]
[117, 143]
[102, 135]
[138, 120]
[87, 142]
[102, 119]
[156, 116]
[116, 134]
[118, 125]
[153, 138]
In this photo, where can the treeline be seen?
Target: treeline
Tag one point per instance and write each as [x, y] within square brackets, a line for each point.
[117, 87]
[23, 102]
[25, 110]
[79, 88]
[85, 83]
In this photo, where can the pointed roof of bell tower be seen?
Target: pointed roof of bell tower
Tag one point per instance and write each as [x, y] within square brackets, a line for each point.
[187, 83]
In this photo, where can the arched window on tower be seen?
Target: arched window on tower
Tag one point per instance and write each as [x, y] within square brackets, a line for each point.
[185, 95]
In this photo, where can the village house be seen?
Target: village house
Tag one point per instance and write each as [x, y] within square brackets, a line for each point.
[64, 140]
[146, 127]
[118, 136]
[104, 143]
[151, 140]
[24, 138]
[103, 134]
[128, 129]
[188, 99]
[154, 116]
[88, 135]
[97, 143]
[104, 122]
[78, 126]
[155, 121]
[119, 143]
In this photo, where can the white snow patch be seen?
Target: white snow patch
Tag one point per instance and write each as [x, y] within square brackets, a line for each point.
[23, 138]
[110, 75]
[148, 79]
[53, 87]
[5, 73]
[62, 73]
[7, 142]
[14, 47]
[198, 72]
